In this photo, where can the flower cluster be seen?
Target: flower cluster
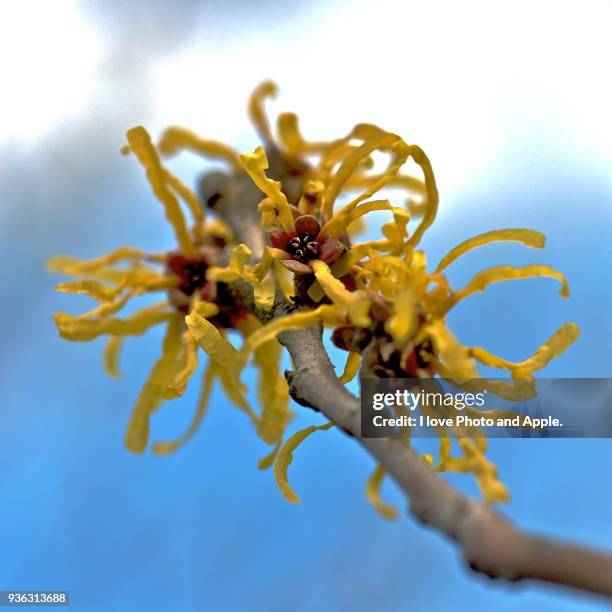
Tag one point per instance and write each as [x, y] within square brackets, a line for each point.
[383, 305]
[118, 277]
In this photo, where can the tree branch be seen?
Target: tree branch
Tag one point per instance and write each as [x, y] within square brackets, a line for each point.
[490, 543]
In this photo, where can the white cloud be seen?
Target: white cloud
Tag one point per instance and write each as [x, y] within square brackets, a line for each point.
[49, 56]
[455, 77]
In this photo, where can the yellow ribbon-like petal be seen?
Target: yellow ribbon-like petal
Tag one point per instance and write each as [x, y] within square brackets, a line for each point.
[490, 486]
[431, 189]
[402, 324]
[208, 379]
[473, 461]
[448, 350]
[297, 320]
[137, 434]
[189, 197]
[256, 164]
[557, 344]
[327, 314]
[403, 181]
[351, 367]
[357, 307]
[268, 461]
[91, 288]
[178, 386]
[222, 352]
[273, 393]
[264, 292]
[106, 309]
[289, 134]
[259, 275]
[236, 391]
[64, 264]
[339, 223]
[175, 139]
[292, 140]
[373, 494]
[83, 330]
[267, 89]
[210, 340]
[140, 143]
[285, 457]
[527, 237]
[503, 273]
[112, 351]
[373, 139]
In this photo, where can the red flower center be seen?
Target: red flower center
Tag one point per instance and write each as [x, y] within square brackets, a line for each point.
[303, 247]
[193, 276]
[191, 273]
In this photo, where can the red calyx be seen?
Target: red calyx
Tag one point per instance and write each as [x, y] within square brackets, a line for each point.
[306, 242]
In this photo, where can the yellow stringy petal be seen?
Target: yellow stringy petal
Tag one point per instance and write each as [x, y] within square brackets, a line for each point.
[106, 309]
[178, 386]
[208, 379]
[273, 394]
[191, 199]
[345, 264]
[290, 137]
[83, 330]
[256, 164]
[520, 389]
[283, 279]
[235, 391]
[449, 351]
[264, 90]
[136, 275]
[285, 457]
[221, 275]
[431, 189]
[140, 143]
[327, 314]
[315, 292]
[504, 273]
[175, 139]
[557, 344]
[351, 367]
[339, 223]
[112, 351]
[374, 139]
[402, 324]
[222, 352]
[404, 181]
[289, 134]
[91, 288]
[372, 491]
[356, 228]
[210, 340]
[239, 267]
[297, 320]
[266, 462]
[264, 292]
[258, 275]
[491, 488]
[527, 237]
[356, 307]
[239, 257]
[473, 461]
[137, 434]
[64, 264]
[395, 234]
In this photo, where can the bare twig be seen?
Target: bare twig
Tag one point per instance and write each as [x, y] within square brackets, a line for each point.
[490, 543]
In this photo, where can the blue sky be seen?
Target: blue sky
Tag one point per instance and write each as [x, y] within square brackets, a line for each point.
[518, 134]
